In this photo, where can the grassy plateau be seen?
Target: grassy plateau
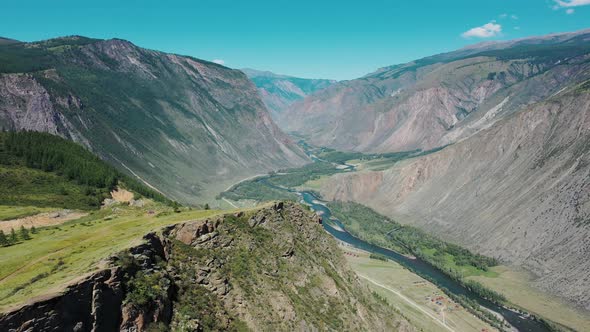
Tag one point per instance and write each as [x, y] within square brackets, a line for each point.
[60, 254]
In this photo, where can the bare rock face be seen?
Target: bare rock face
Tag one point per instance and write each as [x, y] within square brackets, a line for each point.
[270, 269]
[185, 126]
[26, 105]
[438, 100]
[91, 305]
[518, 191]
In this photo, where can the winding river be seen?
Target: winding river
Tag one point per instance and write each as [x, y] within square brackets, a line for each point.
[333, 226]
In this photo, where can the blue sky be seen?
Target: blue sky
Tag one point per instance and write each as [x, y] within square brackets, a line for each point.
[320, 38]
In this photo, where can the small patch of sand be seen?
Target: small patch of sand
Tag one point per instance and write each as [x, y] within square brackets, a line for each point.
[121, 195]
[41, 220]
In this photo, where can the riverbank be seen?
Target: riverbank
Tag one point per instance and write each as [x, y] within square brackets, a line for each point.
[516, 284]
[421, 302]
[261, 188]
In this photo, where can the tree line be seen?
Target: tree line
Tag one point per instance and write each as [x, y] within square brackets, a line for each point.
[51, 153]
[13, 237]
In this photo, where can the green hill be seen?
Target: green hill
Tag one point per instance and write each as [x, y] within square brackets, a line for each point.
[43, 170]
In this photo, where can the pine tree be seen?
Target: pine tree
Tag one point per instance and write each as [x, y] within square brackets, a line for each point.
[3, 239]
[24, 233]
[33, 230]
[207, 206]
[13, 238]
[176, 207]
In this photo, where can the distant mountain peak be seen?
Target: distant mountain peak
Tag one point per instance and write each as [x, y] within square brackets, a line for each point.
[280, 91]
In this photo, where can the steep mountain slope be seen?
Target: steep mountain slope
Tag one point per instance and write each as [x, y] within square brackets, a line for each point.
[186, 127]
[6, 41]
[273, 269]
[441, 99]
[280, 91]
[518, 190]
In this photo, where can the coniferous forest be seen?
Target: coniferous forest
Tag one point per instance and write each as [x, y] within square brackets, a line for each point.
[54, 154]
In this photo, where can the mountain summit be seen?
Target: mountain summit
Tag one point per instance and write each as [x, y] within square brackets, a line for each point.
[187, 127]
[440, 99]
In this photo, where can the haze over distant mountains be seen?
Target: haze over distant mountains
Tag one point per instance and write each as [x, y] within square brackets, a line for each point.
[280, 91]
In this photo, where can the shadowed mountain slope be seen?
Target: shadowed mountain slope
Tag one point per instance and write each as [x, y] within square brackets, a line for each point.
[187, 127]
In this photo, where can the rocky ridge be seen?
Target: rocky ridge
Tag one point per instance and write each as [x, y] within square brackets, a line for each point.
[270, 269]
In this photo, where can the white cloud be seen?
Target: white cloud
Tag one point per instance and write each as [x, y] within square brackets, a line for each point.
[504, 15]
[219, 61]
[572, 3]
[487, 30]
[569, 11]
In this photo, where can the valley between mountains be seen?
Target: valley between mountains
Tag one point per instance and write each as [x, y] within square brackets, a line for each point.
[149, 191]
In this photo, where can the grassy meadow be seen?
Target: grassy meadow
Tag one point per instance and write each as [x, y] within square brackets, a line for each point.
[60, 254]
[411, 295]
[517, 286]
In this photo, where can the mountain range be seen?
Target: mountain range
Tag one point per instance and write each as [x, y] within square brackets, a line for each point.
[186, 127]
[486, 147]
[280, 91]
[441, 99]
[512, 179]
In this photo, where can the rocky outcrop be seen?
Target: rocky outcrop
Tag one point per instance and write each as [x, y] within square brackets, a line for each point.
[92, 304]
[27, 105]
[439, 100]
[269, 269]
[97, 303]
[518, 190]
[187, 127]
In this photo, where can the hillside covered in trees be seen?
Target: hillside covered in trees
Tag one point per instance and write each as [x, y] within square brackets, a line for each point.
[41, 169]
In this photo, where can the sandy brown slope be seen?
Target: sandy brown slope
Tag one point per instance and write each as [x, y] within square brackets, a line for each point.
[519, 191]
[441, 99]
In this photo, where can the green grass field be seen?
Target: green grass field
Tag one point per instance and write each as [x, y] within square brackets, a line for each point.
[315, 184]
[410, 294]
[516, 285]
[60, 254]
[377, 164]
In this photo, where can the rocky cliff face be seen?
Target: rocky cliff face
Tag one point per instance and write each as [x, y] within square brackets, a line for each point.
[186, 127]
[518, 190]
[442, 99]
[280, 91]
[271, 269]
